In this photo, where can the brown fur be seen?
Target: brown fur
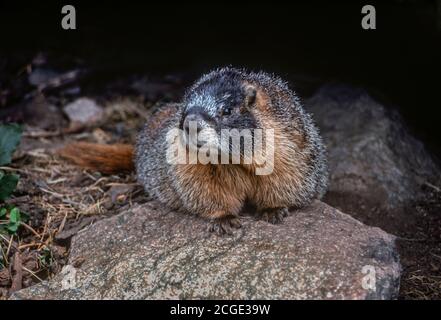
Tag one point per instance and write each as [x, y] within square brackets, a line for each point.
[224, 188]
[104, 158]
[284, 164]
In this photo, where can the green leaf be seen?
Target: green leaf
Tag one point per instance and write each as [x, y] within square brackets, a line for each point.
[14, 215]
[14, 220]
[8, 183]
[10, 135]
[3, 212]
[13, 227]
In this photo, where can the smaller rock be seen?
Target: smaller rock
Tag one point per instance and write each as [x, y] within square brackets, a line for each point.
[156, 89]
[40, 76]
[69, 277]
[84, 111]
[120, 192]
[43, 114]
[72, 91]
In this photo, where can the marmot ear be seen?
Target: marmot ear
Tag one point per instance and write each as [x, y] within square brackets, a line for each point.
[250, 97]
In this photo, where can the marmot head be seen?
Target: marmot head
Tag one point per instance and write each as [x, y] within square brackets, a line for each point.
[219, 101]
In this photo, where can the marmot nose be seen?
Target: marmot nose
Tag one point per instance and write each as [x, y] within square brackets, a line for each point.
[193, 122]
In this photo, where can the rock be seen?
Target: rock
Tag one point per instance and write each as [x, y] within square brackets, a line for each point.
[40, 76]
[154, 89]
[119, 193]
[72, 91]
[152, 253]
[376, 167]
[41, 113]
[84, 111]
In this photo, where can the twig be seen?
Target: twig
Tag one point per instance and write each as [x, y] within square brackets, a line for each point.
[45, 228]
[12, 169]
[56, 181]
[63, 222]
[50, 134]
[432, 186]
[111, 184]
[17, 279]
[55, 194]
[32, 273]
[30, 228]
[89, 175]
[97, 182]
[25, 198]
[9, 245]
[436, 256]
[91, 209]
[4, 238]
[28, 245]
[40, 170]
[38, 153]
[42, 134]
[5, 257]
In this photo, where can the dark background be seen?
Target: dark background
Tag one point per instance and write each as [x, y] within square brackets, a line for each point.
[307, 42]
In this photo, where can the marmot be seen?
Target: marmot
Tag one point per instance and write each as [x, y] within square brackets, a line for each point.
[226, 98]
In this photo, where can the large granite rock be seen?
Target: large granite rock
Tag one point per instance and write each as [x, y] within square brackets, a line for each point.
[151, 253]
[377, 168]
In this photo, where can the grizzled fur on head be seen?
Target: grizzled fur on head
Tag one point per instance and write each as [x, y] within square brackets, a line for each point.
[225, 97]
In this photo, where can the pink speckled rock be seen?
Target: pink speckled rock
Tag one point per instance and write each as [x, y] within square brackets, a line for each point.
[151, 253]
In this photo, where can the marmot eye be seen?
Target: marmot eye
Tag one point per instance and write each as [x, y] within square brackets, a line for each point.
[226, 111]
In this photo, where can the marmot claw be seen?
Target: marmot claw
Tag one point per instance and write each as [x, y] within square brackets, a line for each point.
[225, 225]
[274, 215]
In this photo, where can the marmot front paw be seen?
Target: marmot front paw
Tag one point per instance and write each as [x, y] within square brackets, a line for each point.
[273, 215]
[225, 225]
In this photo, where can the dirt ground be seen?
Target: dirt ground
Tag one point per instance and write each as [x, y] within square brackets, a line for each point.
[61, 199]
[420, 250]
[418, 231]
